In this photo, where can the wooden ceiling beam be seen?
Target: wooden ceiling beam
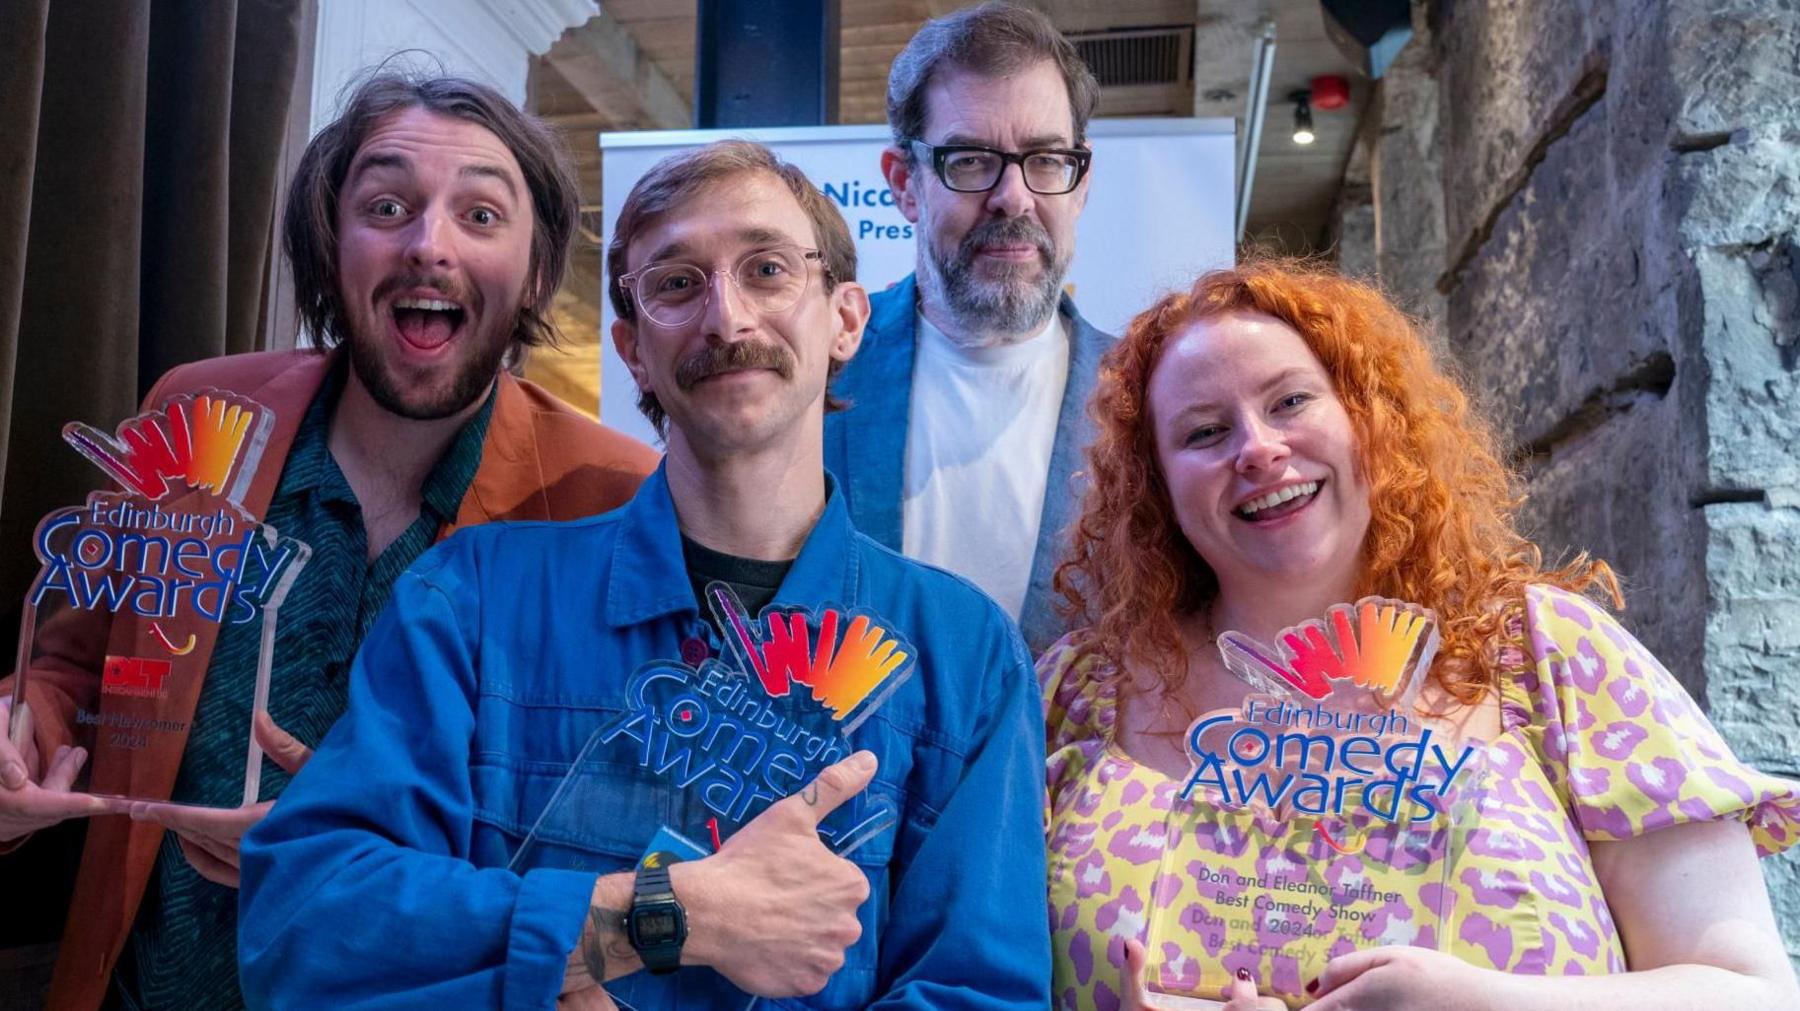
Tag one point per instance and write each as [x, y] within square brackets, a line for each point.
[612, 73]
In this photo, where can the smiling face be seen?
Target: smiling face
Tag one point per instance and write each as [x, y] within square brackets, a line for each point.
[994, 261]
[735, 377]
[434, 232]
[1259, 456]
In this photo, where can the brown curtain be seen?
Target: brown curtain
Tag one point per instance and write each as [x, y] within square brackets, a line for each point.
[138, 182]
[140, 146]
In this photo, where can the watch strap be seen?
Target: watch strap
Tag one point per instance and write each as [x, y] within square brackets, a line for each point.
[652, 888]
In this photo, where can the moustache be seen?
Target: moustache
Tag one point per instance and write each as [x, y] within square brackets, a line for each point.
[1004, 231]
[713, 359]
[439, 283]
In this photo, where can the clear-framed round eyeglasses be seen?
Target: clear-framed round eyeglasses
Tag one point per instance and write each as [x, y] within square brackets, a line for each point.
[770, 280]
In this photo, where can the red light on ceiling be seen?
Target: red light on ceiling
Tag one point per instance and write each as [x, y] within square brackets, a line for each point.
[1330, 92]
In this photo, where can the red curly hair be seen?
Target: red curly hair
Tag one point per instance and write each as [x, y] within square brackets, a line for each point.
[1441, 530]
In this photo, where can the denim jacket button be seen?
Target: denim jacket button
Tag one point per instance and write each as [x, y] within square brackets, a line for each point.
[694, 651]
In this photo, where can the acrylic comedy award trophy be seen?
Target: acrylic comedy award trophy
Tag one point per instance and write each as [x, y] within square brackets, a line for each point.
[1320, 817]
[136, 587]
[733, 735]
[719, 742]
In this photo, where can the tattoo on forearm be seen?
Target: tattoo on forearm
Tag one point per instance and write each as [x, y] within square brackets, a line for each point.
[606, 936]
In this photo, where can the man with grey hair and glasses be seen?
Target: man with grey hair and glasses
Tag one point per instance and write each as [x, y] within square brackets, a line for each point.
[967, 417]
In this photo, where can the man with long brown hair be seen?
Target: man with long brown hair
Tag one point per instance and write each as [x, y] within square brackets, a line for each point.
[427, 229]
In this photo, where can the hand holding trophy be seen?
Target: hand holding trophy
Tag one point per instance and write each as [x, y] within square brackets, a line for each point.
[34, 795]
[1240, 995]
[752, 748]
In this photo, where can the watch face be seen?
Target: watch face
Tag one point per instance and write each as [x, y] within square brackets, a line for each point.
[655, 925]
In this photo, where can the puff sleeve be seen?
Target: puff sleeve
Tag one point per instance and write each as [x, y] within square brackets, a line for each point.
[1624, 744]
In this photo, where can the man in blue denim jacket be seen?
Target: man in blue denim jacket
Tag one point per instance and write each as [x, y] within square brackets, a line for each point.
[381, 877]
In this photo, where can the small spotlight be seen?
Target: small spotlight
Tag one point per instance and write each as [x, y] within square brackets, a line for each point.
[1303, 127]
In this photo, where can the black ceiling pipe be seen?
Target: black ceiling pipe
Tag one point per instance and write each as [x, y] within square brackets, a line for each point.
[758, 63]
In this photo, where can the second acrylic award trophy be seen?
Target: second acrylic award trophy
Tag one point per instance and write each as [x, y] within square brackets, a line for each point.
[708, 746]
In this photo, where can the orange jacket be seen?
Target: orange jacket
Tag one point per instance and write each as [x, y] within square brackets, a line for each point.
[541, 460]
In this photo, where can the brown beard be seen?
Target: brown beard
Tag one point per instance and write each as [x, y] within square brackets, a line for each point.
[472, 377]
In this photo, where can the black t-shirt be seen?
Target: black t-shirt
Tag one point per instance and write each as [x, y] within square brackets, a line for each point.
[753, 580]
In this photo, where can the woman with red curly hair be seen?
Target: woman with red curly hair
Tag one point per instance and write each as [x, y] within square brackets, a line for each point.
[1278, 440]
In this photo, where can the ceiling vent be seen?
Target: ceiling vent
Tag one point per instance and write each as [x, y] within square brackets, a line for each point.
[1138, 56]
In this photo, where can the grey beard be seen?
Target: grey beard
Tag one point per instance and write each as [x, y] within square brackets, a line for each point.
[1008, 304]
[1012, 304]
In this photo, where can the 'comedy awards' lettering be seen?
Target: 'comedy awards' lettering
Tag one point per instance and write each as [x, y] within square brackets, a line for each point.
[710, 732]
[128, 553]
[115, 556]
[1317, 772]
[1330, 750]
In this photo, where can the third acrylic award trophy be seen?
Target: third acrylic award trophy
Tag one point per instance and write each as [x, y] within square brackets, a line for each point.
[1322, 816]
[137, 584]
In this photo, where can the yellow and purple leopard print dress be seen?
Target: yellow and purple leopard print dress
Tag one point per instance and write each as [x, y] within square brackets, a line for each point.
[1598, 742]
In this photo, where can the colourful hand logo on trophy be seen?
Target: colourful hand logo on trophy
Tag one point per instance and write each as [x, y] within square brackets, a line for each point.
[842, 671]
[1370, 645]
[195, 440]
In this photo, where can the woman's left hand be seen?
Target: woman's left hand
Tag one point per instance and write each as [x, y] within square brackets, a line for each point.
[1399, 977]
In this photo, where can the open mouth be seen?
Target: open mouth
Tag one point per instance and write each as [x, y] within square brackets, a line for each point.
[427, 323]
[1277, 504]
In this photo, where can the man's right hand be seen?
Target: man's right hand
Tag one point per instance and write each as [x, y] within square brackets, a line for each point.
[774, 910]
[28, 803]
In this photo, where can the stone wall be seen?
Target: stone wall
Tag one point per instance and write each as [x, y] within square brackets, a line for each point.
[1615, 186]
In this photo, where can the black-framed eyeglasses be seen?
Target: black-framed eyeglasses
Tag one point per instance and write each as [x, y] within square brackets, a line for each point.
[770, 280]
[971, 168]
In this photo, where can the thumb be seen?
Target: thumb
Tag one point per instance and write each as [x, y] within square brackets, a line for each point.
[19, 728]
[281, 747]
[837, 784]
[1132, 985]
[1344, 968]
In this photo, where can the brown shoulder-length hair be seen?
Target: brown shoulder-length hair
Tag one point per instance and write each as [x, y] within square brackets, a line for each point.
[309, 224]
[1441, 531]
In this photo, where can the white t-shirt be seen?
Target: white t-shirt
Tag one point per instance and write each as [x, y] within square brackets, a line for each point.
[979, 432]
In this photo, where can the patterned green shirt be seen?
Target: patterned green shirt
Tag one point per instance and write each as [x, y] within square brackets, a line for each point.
[183, 947]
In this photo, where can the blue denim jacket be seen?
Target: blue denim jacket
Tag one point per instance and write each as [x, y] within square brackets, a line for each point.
[379, 879]
[865, 446]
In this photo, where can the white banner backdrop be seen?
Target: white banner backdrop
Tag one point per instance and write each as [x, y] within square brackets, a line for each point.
[1159, 213]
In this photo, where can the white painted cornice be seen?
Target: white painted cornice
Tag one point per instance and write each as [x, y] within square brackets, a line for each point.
[537, 24]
